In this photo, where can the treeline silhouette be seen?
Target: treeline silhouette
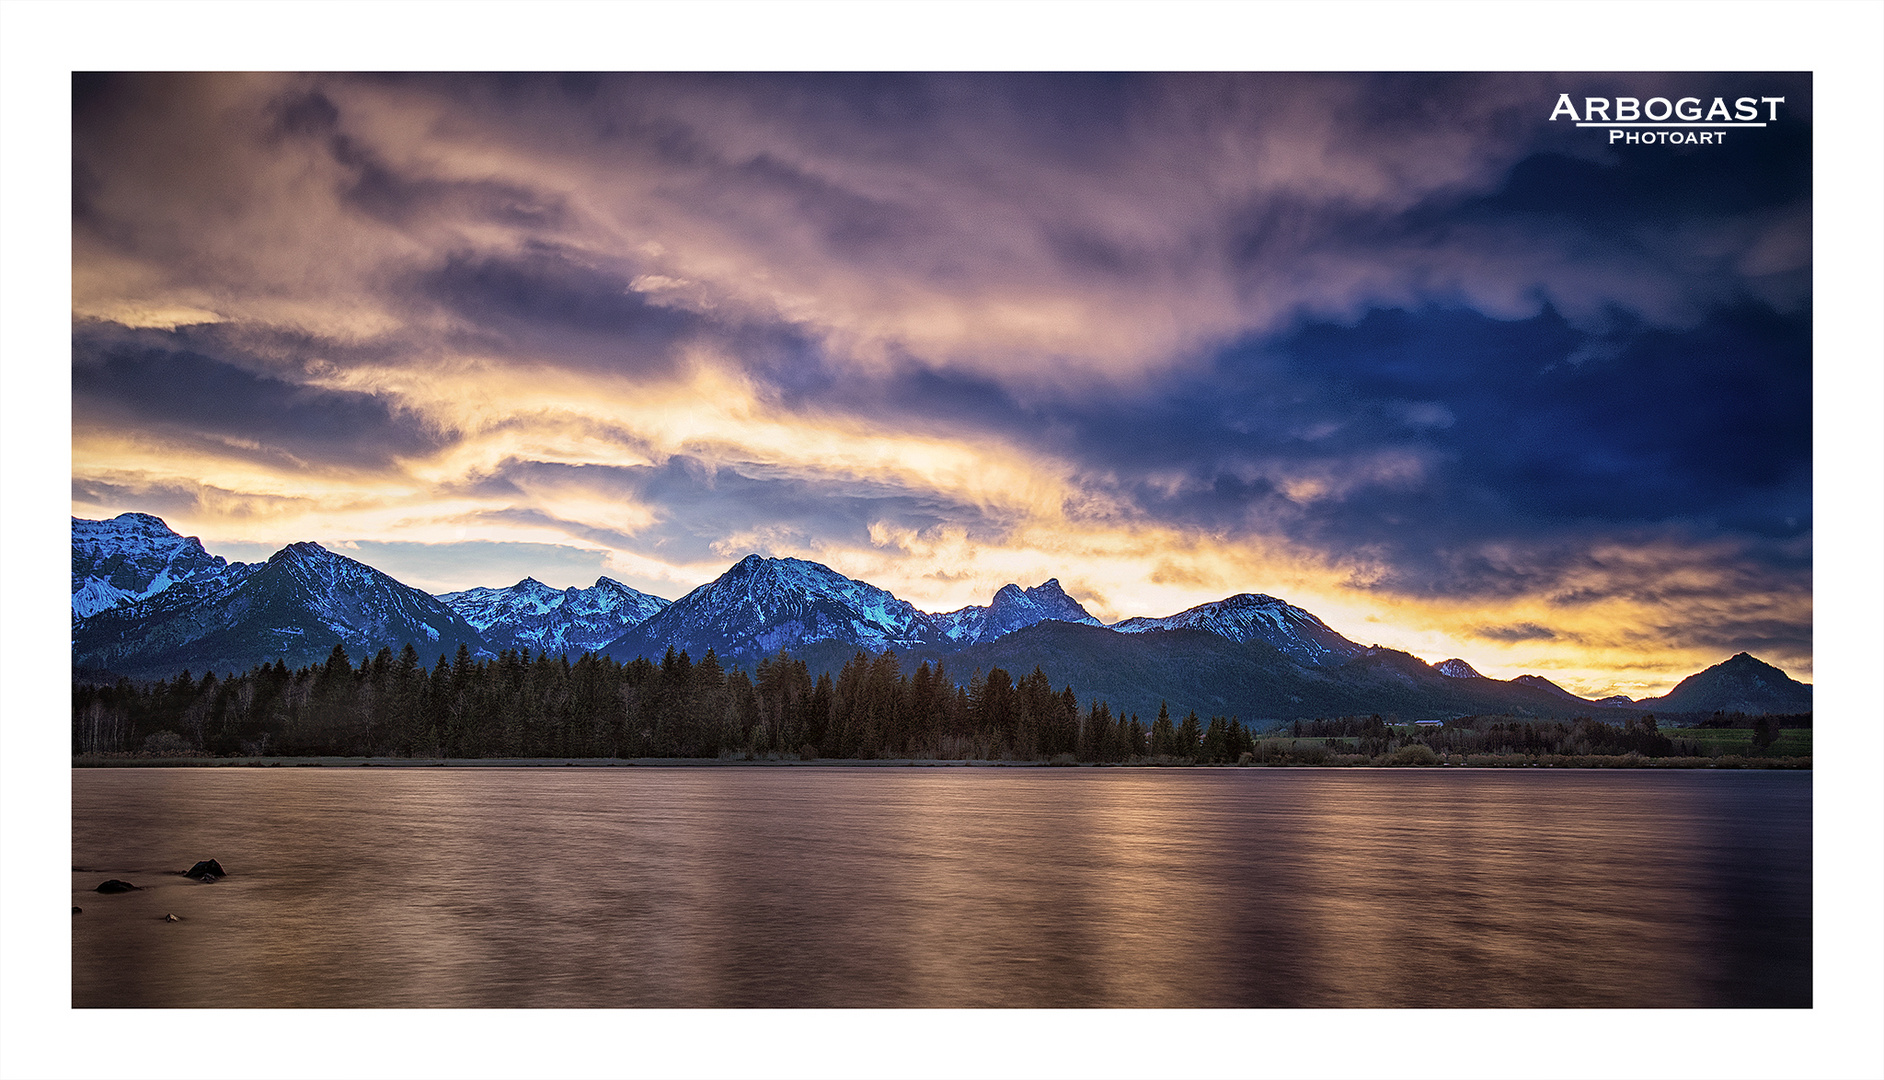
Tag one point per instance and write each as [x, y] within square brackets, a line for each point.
[1497, 735]
[1503, 736]
[545, 706]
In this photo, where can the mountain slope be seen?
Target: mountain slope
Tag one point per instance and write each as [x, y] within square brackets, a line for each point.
[761, 605]
[1741, 683]
[1188, 669]
[297, 606]
[131, 557]
[1256, 617]
[1013, 608]
[532, 615]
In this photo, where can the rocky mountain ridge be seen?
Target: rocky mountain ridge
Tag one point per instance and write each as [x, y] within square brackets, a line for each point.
[1013, 608]
[131, 557]
[1255, 616]
[534, 616]
[174, 606]
[295, 607]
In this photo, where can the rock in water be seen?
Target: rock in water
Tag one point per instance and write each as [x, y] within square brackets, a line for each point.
[171, 918]
[78, 911]
[115, 886]
[207, 870]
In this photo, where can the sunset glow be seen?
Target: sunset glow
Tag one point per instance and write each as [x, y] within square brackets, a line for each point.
[1396, 349]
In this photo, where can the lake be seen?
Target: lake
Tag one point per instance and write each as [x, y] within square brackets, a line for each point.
[943, 887]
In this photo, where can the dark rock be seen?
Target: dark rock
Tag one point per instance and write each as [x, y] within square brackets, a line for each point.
[78, 911]
[171, 918]
[207, 870]
[116, 886]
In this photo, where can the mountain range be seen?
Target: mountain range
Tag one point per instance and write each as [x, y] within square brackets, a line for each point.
[147, 603]
[532, 615]
[295, 607]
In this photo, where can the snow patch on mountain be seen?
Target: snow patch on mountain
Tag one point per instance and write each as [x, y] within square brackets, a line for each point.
[762, 605]
[131, 557]
[1457, 669]
[484, 607]
[296, 606]
[1258, 617]
[1013, 608]
[532, 615]
[355, 601]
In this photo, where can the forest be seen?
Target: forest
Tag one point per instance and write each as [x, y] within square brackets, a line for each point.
[519, 706]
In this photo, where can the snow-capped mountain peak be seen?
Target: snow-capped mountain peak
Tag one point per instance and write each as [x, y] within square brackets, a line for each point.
[532, 615]
[1258, 616]
[1457, 668]
[296, 606]
[1013, 608]
[130, 557]
[761, 605]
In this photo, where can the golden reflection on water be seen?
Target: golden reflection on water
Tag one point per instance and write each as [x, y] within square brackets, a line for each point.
[1492, 890]
[942, 887]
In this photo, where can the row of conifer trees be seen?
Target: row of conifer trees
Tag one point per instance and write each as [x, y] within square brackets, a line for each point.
[545, 706]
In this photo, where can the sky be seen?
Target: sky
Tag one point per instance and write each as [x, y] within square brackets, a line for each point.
[1401, 349]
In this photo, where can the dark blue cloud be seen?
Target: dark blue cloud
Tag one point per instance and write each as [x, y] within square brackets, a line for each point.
[141, 382]
[1712, 423]
[546, 289]
[1524, 430]
[1751, 172]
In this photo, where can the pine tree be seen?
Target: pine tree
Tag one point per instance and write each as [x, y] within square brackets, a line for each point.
[1216, 744]
[1163, 735]
[1763, 733]
[1189, 737]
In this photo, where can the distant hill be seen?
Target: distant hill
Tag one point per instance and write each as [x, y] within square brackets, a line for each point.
[1251, 680]
[1741, 683]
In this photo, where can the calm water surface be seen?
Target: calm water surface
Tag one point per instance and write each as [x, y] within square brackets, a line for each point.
[724, 887]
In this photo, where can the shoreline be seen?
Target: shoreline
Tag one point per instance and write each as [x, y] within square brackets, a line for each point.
[1726, 763]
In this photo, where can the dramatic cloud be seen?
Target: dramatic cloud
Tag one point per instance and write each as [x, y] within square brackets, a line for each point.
[1454, 376]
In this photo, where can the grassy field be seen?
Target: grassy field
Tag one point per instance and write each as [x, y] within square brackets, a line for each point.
[1793, 742]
